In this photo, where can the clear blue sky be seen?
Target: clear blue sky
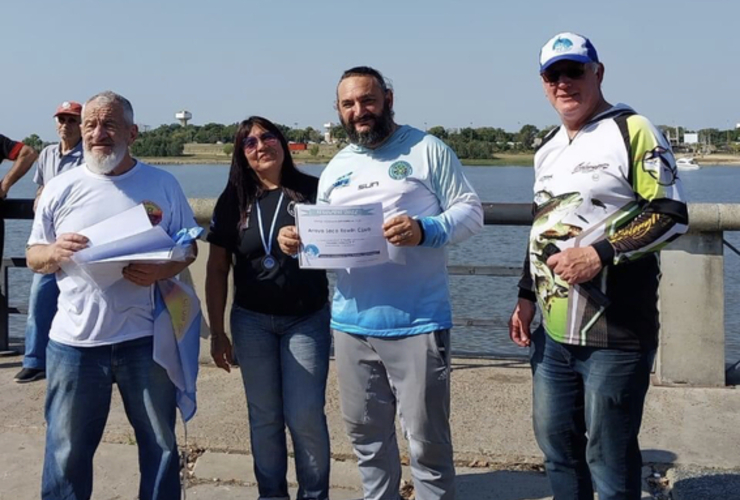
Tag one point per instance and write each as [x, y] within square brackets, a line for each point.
[453, 62]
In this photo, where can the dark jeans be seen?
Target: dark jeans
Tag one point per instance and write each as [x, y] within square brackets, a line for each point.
[78, 395]
[284, 361]
[587, 412]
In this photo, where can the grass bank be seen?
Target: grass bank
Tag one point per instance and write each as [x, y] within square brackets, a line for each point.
[208, 154]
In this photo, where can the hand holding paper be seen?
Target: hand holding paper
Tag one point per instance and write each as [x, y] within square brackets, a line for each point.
[64, 248]
[125, 241]
[341, 237]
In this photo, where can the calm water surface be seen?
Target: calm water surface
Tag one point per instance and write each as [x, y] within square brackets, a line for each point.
[473, 296]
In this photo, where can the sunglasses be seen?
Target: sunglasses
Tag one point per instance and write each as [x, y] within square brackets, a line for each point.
[67, 119]
[572, 72]
[250, 143]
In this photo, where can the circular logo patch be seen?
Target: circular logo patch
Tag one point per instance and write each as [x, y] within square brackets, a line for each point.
[400, 170]
[153, 211]
[312, 250]
[291, 208]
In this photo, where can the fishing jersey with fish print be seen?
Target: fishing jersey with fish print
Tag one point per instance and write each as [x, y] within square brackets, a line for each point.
[614, 186]
[416, 174]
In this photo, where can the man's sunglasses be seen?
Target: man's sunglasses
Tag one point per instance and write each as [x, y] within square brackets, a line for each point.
[250, 143]
[551, 75]
[67, 119]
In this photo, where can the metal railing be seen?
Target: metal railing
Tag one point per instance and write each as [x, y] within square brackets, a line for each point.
[11, 209]
[687, 357]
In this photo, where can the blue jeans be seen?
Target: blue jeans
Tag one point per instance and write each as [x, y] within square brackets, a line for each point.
[42, 306]
[284, 362]
[78, 395]
[587, 413]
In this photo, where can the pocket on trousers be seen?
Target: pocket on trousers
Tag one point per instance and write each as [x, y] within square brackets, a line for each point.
[441, 344]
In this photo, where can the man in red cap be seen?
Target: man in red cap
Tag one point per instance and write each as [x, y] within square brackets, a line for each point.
[42, 303]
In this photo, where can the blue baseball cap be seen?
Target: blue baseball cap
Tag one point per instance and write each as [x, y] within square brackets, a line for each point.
[567, 47]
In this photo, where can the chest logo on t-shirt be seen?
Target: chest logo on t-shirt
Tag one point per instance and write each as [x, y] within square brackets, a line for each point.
[153, 211]
[585, 167]
[400, 170]
[291, 208]
[368, 185]
[341, 182]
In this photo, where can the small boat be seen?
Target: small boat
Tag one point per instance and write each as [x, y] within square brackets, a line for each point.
[687, 164]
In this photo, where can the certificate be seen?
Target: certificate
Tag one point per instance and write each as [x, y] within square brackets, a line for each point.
[341, 237]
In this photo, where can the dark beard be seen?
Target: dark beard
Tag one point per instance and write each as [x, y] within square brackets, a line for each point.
[381, 129]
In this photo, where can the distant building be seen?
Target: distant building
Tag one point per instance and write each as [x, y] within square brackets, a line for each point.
[183, 117]
[327, 135]
[691, 138]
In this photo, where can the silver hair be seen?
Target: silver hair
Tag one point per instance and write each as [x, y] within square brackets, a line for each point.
[109, 97]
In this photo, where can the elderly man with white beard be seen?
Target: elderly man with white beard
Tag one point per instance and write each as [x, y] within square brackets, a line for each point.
[101, 337]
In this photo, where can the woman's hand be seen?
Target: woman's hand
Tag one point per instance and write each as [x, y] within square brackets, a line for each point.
[221, 351]
[289, 240]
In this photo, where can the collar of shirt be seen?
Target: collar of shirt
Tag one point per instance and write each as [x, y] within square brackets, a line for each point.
[75, 152]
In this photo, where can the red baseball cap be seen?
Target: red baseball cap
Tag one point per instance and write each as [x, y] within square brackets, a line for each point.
[69, 108]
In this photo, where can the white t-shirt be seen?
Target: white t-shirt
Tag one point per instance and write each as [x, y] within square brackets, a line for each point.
[87, 316]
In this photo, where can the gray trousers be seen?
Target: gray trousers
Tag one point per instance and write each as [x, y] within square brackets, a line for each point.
[377, 376]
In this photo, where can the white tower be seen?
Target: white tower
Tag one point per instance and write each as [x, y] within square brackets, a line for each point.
[327, 135]
[183, 116]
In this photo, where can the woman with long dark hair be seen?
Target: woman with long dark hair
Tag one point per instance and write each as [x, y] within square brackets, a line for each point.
[280, 316]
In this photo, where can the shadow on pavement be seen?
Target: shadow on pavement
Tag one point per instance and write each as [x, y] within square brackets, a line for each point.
[708, 486]
[503, 485]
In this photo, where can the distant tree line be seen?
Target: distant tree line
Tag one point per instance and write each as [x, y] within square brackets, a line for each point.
[485, 142]
[467, 142]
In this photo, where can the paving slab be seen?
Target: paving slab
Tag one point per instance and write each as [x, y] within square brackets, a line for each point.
[238, 467]
[234, 492]
[115, 475]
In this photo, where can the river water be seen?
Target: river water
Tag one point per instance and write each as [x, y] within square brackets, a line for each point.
[481, 297]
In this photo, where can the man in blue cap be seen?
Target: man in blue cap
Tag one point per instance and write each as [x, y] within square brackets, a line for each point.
[607, 198]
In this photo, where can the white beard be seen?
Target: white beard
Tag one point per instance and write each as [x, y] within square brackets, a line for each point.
[104, 164]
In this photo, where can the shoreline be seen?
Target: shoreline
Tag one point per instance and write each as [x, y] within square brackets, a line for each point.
[523, 160]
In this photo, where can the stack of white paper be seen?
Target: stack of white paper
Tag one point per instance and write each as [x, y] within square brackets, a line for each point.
[118, 241]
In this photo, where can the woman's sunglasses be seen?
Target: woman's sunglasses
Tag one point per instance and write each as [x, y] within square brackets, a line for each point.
[250, 143]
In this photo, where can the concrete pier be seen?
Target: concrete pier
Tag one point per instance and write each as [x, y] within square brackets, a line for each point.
[686, 431]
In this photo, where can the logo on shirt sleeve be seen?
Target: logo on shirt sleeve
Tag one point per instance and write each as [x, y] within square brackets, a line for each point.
[153, 211]
[400, 170]
[660, 164]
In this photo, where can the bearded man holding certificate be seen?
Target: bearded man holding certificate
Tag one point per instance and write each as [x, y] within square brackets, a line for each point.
[392, 321]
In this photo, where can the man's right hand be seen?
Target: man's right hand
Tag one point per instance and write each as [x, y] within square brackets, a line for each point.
[62, 250]
[289, 240]
[521, 320]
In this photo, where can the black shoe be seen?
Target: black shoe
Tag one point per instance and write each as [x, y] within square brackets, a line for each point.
[29, 375]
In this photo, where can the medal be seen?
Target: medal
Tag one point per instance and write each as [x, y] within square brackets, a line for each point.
[268, 261]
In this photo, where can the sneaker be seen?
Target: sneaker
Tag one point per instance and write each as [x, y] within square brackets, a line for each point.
[29, 375]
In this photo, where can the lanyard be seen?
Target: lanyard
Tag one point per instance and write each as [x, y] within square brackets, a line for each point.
[268, 244]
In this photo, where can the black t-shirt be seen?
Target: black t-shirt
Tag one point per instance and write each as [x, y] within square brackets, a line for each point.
[284, 290]
[9, 149]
